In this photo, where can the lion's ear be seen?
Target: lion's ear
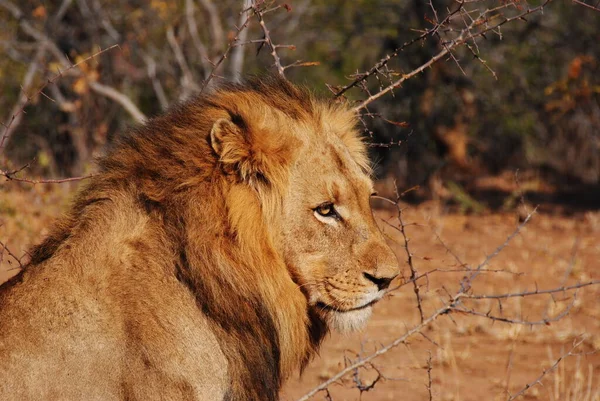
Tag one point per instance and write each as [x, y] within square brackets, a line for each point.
[257, 157]
[228, 142]
[239, 153]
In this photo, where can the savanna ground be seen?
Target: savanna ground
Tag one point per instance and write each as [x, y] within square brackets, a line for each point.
[468, 357]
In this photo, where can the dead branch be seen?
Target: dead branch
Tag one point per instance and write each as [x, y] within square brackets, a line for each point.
[238, 53]
[16, 114]
[530, 293]
[52, 81]
[538, 380]
[413, 271]
[188, 84]
[595, 7]
[12, 255]
[216, 29]
[466, 282]
[429, 380]
[156, 85]
[105, 21]
[439, 270]
[120, 98]
[490, 316]
[481, 23]
[11, 177]
[384, 61]
[193, 29]
[232, 43]
[62, 10]
[69, 68]
[258, 12]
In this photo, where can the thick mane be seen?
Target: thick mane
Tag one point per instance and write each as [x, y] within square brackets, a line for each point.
[211, 196]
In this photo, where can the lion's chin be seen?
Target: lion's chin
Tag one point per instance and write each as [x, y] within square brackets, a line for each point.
[346, 322]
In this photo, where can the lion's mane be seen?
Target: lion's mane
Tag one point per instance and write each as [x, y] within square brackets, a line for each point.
[204, 224]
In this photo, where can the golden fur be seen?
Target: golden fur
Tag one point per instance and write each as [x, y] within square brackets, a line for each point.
[206, 260]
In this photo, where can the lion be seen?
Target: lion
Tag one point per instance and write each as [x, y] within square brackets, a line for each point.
[206, 260]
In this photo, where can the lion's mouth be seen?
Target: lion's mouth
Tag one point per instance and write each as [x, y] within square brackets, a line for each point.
[324, 306]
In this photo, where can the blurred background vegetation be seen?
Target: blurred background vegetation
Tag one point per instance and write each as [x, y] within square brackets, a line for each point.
[458, 123]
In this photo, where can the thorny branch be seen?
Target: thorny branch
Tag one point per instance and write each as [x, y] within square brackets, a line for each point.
[384, 61]
[267, 38]
[429, 380]
[257, 9]
[235, 41]
[413, 271]
[259, 13]
[12, 255]
[535, 292]
[595, 7]
[538, 380]
[478, 27]
[465, 285]
[10, 177]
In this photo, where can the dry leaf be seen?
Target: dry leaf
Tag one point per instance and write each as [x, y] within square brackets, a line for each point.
[39, 12]
[80, 86]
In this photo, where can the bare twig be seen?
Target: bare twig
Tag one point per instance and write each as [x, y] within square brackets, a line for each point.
[259, 14]
[193, 29]
[535, 292]
[12, 255]
[16, 114]
[538, 380]
[156, 85]
[120, 98]
[188, 84]
[466, 282]
[216, 28]
[593, 7]
[463, 270]
[429, 380]
[107, 91]
[542, 322]
[232, 43]
[105, 21]
[10, 177]
[238, 53]
[413, 271]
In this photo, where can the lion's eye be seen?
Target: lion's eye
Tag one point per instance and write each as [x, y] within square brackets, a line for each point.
[326, 210]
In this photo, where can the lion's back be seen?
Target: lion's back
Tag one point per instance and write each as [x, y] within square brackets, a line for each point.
[105, 328]
[42, 333]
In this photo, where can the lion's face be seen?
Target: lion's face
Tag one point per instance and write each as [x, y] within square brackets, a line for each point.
[308, 165]
[332, 244]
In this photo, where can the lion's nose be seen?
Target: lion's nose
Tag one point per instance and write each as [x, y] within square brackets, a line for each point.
[382, 282]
